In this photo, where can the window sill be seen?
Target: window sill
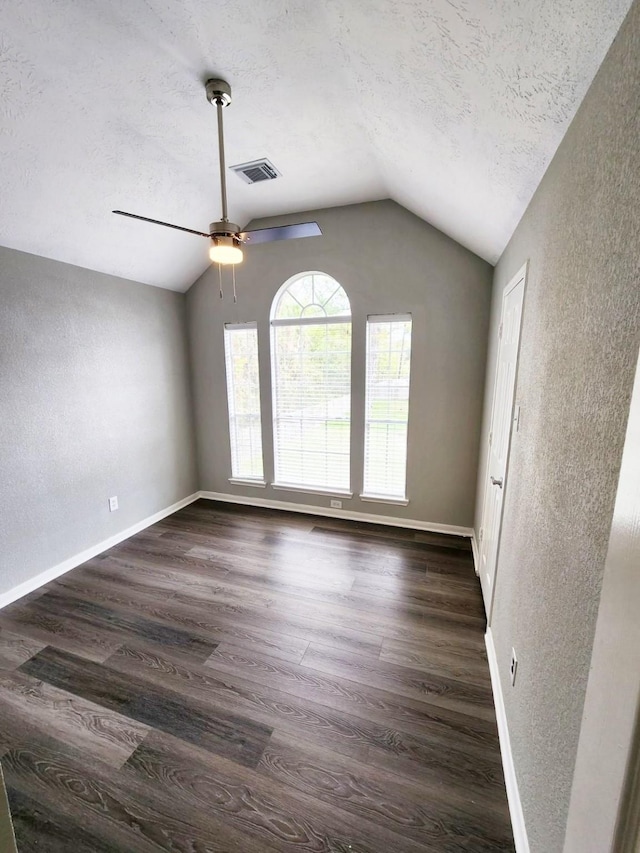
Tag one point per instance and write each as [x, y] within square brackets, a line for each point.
[338, 493]
[238, 481]
[380, 499]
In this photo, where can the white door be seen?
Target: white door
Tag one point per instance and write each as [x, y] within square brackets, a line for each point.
[500, 434]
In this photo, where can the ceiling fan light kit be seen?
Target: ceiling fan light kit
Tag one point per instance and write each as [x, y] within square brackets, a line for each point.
[225, 250]
[226, 238]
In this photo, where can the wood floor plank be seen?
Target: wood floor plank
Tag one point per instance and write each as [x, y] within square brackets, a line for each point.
[275, 592]
[427, 589]
[224, 734]
[340, 554]
[125, 624]
[145, 573]
[339, 613]
[458, 543]
[381, 541]
[16, 648]
[49, 629]
[211, 616]
[445, 561]
[434, 816]
[16, 726]
[272, 708]
[444, 746]
[205, 515]
[281, 640]
[437, 657]
[262, 566]
[102, 733]
[345, 550]
[158, 551]
[128, 816]
[408, 713]
[147, 577]
[39, 827]
[447, 692]
[291, 822]
[244, 680]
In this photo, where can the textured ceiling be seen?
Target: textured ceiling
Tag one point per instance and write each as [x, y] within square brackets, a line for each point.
[453, 108]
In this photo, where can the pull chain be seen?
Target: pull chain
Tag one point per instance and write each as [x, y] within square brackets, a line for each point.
[220, 279]
[233, 276]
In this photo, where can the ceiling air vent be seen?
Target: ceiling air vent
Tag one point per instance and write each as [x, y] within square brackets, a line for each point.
[256, 171]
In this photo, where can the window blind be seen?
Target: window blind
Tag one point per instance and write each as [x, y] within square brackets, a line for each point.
[243, 398]
[311, 369]
[387, 406]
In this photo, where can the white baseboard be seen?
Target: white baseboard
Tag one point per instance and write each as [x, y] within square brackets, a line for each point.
[329, 512]
[51, 574]
[510, 780]
[476, 553]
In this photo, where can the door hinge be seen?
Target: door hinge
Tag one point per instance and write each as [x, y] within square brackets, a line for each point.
[490, 438]
[481, 535]
[500, 333]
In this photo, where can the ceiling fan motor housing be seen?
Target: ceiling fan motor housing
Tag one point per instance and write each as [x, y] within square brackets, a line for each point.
[223, 229]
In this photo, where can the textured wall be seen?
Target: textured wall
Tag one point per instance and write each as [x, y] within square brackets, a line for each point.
[388, 261]
[580, 340]
[608, 728]
[94, 401]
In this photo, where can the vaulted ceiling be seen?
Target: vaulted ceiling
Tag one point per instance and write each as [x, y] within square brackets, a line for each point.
[453, 108]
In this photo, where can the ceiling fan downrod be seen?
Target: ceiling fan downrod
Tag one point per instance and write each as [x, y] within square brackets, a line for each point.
[224, 234]
[219, 95]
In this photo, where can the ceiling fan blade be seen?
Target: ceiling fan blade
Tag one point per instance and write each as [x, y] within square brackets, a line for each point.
[281, 232]
[159, 222]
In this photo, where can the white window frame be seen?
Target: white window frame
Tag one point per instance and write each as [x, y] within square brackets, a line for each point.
[303, 321]
[372, 496]
[239, 479]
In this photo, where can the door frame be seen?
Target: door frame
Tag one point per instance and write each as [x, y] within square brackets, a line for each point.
[520, 276]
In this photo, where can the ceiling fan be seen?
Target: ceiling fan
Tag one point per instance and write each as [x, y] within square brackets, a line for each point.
[226, 237]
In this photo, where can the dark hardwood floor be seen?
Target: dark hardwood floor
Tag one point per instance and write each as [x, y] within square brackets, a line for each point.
[245, 681]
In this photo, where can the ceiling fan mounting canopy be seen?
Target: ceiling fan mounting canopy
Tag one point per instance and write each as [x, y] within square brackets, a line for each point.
[218, 92]
[226, 238]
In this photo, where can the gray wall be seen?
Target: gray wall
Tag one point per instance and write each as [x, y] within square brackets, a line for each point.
[579, 345]
[94, 401]
[388, 261]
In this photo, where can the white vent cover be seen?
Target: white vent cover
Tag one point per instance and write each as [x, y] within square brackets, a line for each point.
[256, 171]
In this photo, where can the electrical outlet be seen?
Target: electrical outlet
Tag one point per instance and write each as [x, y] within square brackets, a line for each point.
[513, 668]
[113, 503]
[336, 504]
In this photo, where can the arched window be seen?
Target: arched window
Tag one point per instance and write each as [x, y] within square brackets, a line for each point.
[311, 366]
